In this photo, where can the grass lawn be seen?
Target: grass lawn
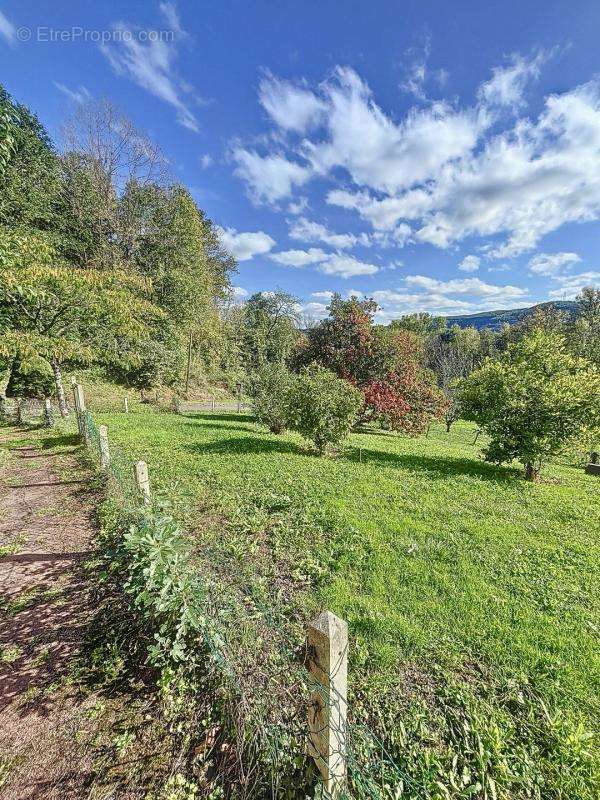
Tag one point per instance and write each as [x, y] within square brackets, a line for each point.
[471, 596]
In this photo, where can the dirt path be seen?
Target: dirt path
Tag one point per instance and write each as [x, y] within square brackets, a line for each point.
[46, 527]
[56, 741]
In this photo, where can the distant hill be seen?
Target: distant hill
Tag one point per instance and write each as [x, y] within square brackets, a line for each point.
[494, 320]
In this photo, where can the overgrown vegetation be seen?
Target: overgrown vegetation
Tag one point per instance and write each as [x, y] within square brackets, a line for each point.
[469, 595]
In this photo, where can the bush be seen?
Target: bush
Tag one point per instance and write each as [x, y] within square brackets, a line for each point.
[323, 407]
[31, 379]
[270, 391]
[533, 401]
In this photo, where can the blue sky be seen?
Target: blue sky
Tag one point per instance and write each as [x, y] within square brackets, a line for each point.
[437, 156]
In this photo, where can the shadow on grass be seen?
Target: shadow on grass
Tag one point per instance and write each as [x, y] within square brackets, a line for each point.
[438, 467]
[248, 444]
[210, 417]
[60, 440]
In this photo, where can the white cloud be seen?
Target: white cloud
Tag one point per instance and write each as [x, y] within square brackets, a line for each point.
[571, 285]
[341, 264]
[245, 246]
[238, 292]
[206, 160]
[299, 258]
[315, 311]
[7, 29]
[471, 286]
[291, 107]
[507, 84]
[149, 63]
[80, 95]
[298, 206]
[347, 266]
[307, 231]
[171, 16]
[325, 295]
[384, 155]
[551, 263]
[269, 178]
[469, 264]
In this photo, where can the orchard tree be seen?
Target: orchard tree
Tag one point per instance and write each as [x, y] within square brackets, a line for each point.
[323, 407]
[271, 388]
[533, 401]
[406, 397]
[385, 363]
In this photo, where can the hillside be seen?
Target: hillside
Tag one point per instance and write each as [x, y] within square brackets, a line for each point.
[494, 320]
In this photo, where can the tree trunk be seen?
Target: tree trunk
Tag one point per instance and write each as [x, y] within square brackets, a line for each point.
[60, 392]
[531, 471]
[448, 424]
[19, 403]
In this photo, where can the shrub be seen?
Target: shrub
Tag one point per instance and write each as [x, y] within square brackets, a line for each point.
[532, 402]
[323, 407]
[31, 378]
[270, 391]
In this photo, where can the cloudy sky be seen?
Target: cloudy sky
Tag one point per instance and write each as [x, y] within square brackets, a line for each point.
[435, 156]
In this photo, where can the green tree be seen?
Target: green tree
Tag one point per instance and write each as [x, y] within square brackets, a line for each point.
[323, 407]
[270, 328]
[30, 379]
[533, 401]
[270, 390]
[69, 314]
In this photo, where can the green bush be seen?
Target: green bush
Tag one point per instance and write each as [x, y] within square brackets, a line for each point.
[323, 407]
[30, 379]
[270, 390]
[534, 401]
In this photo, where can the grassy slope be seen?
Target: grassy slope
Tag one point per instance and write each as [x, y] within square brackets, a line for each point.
[434, 558]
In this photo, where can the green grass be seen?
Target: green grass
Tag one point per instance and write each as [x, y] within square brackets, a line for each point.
[471, 596]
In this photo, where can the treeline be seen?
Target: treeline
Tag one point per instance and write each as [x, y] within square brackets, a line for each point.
[104, 259]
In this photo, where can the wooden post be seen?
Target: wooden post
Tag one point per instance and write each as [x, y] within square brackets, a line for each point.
[142, 481]
[327, 647]
[126, 404]
[79, 398]
[104, 449]
[19, 408]
[239, 397]
[48, 418]
[2, 407]
[212, 405]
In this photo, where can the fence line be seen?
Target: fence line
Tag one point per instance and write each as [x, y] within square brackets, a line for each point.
[336, 744]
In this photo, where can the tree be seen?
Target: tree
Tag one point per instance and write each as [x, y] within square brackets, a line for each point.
[270, 328]
[30, 379]
[534, 400]
[68, 314]
[270, 390]
[422, 324]
[386, 363]
[31, 197]
[453, 355]
[586, 332]
[323, 407]
[406, 397]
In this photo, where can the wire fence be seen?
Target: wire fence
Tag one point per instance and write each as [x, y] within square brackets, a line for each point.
[285, 688]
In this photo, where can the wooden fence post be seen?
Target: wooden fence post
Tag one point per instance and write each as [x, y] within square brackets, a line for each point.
[142, 481]
[79, 397]
[327, 661]
[48, 418]
[104, 449]
[19, 411]
[126, 404]
[239, 397]
[212, 405]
